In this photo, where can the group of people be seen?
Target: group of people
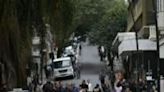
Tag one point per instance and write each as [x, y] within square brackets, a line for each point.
[87, 87]
[70, 87]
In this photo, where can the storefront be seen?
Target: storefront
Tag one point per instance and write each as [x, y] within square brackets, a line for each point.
[138, 63]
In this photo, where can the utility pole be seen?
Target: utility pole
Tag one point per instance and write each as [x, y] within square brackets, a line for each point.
[137, 47]
[157, 39]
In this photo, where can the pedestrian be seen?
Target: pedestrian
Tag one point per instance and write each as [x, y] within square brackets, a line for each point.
[58, 87]
[80, 48]
[68, 88]
[84, 86]
[97, 88]
[102, 76]
[35, 82]
[78, 70]
[74, 88]
[121, 84]
[48, 87]
[99, 47]
[90, 88]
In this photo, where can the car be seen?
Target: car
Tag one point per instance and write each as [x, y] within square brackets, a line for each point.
[62, 67]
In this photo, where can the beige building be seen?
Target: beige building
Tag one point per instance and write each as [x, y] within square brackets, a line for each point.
[141, 18]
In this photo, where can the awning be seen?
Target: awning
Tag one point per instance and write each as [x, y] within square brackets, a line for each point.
[130, 45]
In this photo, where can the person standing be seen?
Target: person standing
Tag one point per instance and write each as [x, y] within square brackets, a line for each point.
[80, 48]
[48, 87]
[78, 70]
[90, 88]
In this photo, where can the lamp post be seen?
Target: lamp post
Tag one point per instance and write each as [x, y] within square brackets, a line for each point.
[157, 41]
[137, 47]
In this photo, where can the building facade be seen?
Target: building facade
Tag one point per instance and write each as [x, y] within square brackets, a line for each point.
[140, 16]
[141, 19]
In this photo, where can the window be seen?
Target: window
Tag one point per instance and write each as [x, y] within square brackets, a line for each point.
[160, 5]
[61, 64]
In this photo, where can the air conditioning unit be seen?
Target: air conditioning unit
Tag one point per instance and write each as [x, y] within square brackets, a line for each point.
[152, 32]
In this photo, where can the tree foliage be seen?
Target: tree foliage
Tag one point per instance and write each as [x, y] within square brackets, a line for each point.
[112, 22]
[17, 18]
[100, 19]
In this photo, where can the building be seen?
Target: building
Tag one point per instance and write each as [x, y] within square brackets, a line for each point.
[140, 16]
[135, 63]
[36, 55]
[49, 42]
[42, 52]
[141, 19]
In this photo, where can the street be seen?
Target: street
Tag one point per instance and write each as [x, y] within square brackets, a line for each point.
[82, 45]
[91, 66]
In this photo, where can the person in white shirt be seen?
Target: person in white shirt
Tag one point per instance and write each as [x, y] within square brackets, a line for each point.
[90, 88]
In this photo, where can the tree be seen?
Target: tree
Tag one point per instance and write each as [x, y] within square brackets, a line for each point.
[112, 22]
[16, 20]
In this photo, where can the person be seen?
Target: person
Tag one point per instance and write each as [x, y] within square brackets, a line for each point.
[102, 76]
[84, 86]
[102, 53]
[121, 84]
[99, 52]
[141, 85]
[68, 88]
[77, 70]
[74, 88]
[97, 88]
[58, 87]
[35, 81]
[80, 48]
[48, 87]
[90, 89]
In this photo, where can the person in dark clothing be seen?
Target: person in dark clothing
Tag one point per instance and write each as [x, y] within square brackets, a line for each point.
[48, 87]
[35, 81]
[97, 88]
[80, 48]
[84, 85]
[102, 76]
[99, 48]
[59, 87]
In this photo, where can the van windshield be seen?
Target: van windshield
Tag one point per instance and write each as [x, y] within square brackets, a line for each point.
[61, 64]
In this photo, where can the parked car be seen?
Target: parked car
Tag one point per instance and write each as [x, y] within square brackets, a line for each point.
[62, 67]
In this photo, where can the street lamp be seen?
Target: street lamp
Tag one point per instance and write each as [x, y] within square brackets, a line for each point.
[157, 40]
[137, 46]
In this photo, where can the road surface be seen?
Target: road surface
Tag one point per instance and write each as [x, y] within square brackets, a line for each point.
[91, 65]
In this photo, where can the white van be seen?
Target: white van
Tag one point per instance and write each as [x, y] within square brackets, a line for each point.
[62, 67]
